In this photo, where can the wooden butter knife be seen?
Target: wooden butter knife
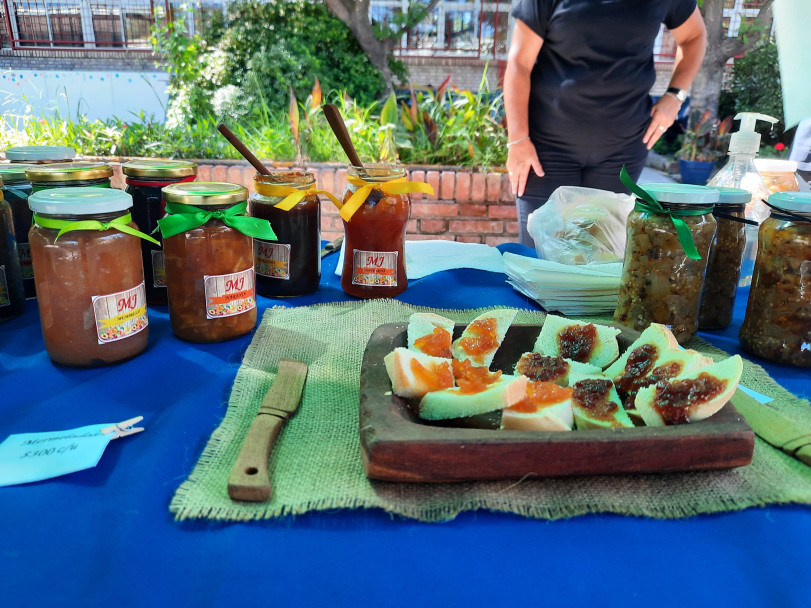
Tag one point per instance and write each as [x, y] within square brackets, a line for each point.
[249, 478]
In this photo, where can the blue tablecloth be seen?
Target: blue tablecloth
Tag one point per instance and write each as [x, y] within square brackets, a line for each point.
[106, 535]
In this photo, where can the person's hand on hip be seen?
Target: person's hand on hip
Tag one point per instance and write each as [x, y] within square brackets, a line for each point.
[521, 158]
[663, 114]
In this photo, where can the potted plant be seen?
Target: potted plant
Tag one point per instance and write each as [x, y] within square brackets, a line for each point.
[704, 144]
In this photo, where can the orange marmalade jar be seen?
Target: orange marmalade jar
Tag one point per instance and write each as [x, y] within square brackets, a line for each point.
[374, 250]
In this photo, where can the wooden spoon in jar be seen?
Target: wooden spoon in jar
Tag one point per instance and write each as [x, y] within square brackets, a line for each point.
[336, 121]
[242, 149]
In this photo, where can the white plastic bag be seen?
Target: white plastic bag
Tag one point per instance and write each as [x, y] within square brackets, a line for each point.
[581, 226]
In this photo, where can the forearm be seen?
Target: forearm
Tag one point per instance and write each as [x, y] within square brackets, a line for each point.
[516, 101]
[689, 56]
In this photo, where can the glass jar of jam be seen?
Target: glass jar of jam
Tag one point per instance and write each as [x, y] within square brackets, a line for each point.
[90, 279]
[12, 294]
[209, 265]
[777, 325]
[778, 175]
[70, 175]
[144, 179]
[291, 265]
[374, 246]
[38, 155]
[16, 190]
[724, 261]
[660, 283]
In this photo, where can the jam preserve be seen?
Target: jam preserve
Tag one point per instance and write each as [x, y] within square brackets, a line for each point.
[16, 190]
[90, 282]
[374, 250]
[144, 179]
[12, 295]
[209, 268]
[70, 175]
[291, 265]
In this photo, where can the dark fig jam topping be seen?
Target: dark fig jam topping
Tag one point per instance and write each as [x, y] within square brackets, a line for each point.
[674, 400]
[577, 342]
[593, 396]
[538, 367]
[639, 363]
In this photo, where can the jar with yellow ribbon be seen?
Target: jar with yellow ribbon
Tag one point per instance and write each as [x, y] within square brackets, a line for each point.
[668, 240]
[291, 265]
[376, 207]
[208, 254]
[86, 254]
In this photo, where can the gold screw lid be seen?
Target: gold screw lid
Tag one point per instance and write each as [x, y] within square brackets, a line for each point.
[159, 168]
[205, 194]
[68, 172]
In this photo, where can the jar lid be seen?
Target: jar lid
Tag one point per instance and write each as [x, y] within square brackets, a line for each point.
[68, 172]
[792, 201]
[204, 194]
[13, 172]
[377, 172]
[683, 194]
[733, 196]
[33, 153]
[775, 165]
[159, 168]
[284, 177]
[79, 201]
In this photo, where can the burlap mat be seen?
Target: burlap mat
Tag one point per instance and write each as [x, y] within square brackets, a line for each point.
[316, 463]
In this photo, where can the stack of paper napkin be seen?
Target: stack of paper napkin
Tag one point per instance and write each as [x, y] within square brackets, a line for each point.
[571, 290]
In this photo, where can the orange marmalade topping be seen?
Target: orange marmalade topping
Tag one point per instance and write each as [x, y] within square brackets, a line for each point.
[481, 338]
[436, 344]
[438, 378]
[471, 378]
[540, 394]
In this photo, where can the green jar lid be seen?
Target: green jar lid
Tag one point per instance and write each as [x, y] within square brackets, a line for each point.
[799, 202]
[79, 201]
[14, 172]
[205, 194]
[40, 153]
[733, 196]
[159, 168]
[683, 194]
[68, 172]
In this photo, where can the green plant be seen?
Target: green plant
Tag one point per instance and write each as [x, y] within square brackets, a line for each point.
[706, 139]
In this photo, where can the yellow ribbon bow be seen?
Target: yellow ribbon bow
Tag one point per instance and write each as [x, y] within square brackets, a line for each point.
[291, 196]
[391, 187]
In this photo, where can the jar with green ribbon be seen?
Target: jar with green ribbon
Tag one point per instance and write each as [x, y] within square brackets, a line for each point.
[668, 239]
[86, 254]
[12, 294]
[208, 253]
[16, 190]
[39, 155]
[70, 175]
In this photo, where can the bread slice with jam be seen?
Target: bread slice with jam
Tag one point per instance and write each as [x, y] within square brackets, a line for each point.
[482, 337]
[546, 407]
[457, 403]
[579, 341]
[690, 398]
[414, 374]
[542, 368]
[595, 403]
[430, 334]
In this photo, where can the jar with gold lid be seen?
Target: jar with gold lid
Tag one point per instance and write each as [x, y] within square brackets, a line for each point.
[70, 175]
[16, 190]
[145, 179]
[40, 155]
[208, 251]
[777, 325]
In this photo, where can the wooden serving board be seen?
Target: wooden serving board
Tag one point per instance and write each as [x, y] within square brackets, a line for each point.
[398, 446]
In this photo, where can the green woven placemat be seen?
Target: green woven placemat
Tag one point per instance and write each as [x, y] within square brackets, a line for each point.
[316, 463]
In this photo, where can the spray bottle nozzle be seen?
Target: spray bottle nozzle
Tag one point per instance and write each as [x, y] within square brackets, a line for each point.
[746, 140]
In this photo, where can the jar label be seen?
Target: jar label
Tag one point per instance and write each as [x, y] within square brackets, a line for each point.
[230, 294]
[5, 300]
[272, 259]
[27, 268]
[158, 269]
[120, 315]
[374, 268]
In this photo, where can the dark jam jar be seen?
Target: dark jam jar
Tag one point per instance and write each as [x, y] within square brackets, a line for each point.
[144, 179]
[777, 325]
[12, 296]
[40, 155]
[374, 249]
[291, 265]
[16, 190]
[69, 175]
[724, 261]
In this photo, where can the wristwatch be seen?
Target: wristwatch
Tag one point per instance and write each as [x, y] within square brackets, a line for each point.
[679, 94]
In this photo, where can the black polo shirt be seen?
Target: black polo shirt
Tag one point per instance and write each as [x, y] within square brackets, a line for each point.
[591, 82]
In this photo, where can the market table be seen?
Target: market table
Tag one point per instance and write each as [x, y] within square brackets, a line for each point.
[106, 534]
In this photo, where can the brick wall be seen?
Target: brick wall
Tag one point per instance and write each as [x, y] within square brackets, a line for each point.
[468, 206]
[466, 72]
[58, 60]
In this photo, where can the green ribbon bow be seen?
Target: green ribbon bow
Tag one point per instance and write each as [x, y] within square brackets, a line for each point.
[647, 203]
[120, 223]
[186, 217]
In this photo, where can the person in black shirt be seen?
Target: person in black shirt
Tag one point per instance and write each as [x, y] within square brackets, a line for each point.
[576, 91]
